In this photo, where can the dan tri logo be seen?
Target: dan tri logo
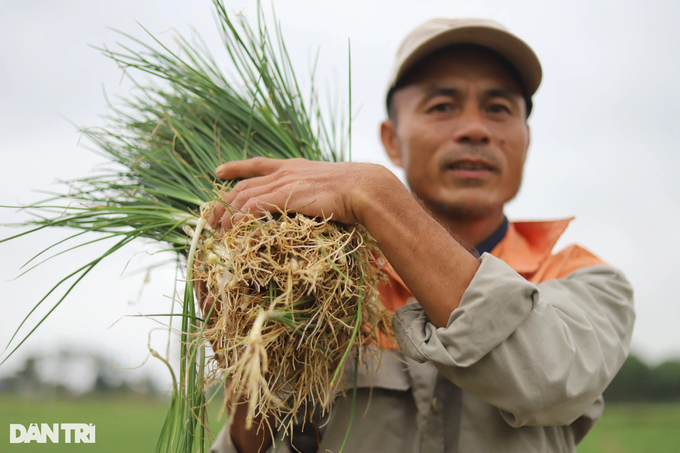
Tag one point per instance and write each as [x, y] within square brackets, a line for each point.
[73, 433]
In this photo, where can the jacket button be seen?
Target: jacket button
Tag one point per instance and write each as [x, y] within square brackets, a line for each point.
[435, 405]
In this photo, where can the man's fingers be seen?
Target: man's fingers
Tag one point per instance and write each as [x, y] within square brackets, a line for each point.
[238, 199]
[226, 221]
[254, 206]
[239, 195]
[216, 215]
[257, 205]
[248, 185]
[240, 170]
[249, 168]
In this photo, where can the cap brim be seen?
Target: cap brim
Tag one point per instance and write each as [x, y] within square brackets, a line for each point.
[516, 51]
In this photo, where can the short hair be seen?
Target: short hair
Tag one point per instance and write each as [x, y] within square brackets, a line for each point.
[402, 81]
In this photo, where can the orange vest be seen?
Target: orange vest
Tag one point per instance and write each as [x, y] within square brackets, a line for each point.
[526, 247]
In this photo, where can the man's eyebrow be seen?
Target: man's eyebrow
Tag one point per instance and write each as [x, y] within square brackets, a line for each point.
[502, 92]
[505, 92]
[435, 91]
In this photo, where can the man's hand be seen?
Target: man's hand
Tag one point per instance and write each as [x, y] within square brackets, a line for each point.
[434, 266]
[316, 189]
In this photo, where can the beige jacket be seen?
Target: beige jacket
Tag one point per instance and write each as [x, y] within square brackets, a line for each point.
[520, 366]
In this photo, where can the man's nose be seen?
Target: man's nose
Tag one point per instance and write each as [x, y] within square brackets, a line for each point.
[471, 128]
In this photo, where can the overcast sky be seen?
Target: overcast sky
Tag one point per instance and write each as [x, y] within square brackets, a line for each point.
[605, 138]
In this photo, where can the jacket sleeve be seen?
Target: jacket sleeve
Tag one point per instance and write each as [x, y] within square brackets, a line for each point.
[542, 354]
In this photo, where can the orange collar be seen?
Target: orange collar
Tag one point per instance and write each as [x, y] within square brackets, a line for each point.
[525, 247]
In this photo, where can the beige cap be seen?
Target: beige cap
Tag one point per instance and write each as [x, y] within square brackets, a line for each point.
[438, 33]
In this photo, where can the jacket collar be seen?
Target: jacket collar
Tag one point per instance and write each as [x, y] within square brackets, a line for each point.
[527, 245]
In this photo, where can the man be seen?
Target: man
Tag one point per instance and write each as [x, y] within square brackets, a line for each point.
[505, 345]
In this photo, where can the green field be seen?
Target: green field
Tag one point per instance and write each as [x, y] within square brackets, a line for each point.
[127, 424]
[633, 428]
[123, 424]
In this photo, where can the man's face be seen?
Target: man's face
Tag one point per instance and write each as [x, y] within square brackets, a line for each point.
[460, 133]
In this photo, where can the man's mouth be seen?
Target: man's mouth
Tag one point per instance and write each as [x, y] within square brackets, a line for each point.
[471, 168]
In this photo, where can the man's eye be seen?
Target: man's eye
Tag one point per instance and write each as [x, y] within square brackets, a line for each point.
[498, 108]
[443, 107]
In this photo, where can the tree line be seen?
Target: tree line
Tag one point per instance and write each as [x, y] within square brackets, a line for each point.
[50, 375]
[635, 382]
[639, 382]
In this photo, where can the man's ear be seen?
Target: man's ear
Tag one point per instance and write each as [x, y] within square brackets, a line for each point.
[526, 152]
[388, 136]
